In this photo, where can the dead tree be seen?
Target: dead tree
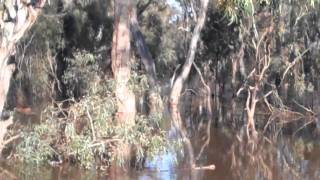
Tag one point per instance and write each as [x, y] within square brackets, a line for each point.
[255, 80]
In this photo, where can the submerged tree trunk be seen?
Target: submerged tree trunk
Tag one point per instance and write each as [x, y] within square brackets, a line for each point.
[180, 80]
[16, 18]
[121, 62]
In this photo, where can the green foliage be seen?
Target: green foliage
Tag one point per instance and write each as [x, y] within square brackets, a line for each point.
[82, 70]
[86, 133]
[234, 9]
[35, 147]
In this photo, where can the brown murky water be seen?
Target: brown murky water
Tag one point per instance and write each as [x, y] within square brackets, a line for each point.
[283, 158]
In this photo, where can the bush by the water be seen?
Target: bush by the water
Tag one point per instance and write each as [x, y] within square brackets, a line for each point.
[86, 133]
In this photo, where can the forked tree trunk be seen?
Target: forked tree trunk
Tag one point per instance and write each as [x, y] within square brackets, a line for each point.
[180, 80]
[16, 19]
[121, 62]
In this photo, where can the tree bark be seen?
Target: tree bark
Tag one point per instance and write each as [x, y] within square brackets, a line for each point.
[154, 100]
[14, 22]
[142, 48]
[11, 32]
[180, 80]
[5, 76]
[121, 62]
[120, 56]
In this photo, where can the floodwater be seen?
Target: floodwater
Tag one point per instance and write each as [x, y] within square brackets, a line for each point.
[281, 157]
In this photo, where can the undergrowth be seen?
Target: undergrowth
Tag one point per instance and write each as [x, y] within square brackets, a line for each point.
[85, 132]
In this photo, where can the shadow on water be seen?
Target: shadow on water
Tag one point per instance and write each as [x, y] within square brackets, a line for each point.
[284, 158]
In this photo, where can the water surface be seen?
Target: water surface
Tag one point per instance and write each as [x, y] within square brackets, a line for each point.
[286, 157]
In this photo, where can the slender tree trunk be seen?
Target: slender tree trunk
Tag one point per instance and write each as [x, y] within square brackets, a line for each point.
[180, 80]
[142, 47]
[154, 101]
[121, 69]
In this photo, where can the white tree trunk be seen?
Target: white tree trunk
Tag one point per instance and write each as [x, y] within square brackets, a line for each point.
[179, 82]
[14, 22]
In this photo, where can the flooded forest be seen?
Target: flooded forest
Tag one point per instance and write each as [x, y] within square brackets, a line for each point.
[159, 89]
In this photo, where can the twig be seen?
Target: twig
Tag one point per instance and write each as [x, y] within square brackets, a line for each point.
[91, 123]
[271, 118]
[174, 75]
[294, 62]
[268, 104]
[306, 124]
[191, 90]
[11, 139]
[103, 142]
[245, 82]
[303, 107]
[95, 145]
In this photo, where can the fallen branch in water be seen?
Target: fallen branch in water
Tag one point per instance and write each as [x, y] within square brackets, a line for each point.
[102, 142]
[209, 167]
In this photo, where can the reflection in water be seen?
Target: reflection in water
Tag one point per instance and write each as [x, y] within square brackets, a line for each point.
[163, 166]
[287, 158]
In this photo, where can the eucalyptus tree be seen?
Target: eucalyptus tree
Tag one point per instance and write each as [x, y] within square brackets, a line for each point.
[271, 35]
[17, 16]
[182, 77]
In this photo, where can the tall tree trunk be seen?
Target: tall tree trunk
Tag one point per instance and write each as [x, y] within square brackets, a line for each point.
[142, 47]
[16, 19]
[180, 80]
[154, 101]
[121, 62]
[121, 69]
